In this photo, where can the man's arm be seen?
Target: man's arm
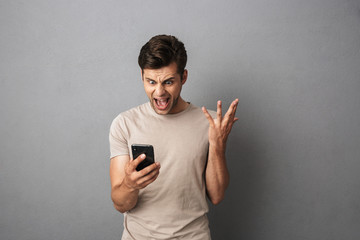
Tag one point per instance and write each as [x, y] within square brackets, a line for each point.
[126, 181]
[216, 172]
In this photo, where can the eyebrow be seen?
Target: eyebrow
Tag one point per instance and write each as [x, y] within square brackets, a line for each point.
[171, 78]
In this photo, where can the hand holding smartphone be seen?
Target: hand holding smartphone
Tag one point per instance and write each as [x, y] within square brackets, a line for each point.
[148, 150]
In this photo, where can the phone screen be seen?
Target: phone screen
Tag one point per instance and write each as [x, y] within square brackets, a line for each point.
[138, 149]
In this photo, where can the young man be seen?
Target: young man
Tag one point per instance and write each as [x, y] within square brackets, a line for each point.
[189, 146]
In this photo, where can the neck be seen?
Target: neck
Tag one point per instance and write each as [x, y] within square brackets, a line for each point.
[180, 106]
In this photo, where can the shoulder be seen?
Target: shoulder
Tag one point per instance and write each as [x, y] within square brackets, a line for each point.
[197, 115]
[130, 116]
[133, 112]
[198, 110]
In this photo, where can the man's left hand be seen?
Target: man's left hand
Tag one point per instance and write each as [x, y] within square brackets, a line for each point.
[219, 128]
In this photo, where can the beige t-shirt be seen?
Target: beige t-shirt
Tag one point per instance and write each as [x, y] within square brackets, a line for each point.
[174, 206]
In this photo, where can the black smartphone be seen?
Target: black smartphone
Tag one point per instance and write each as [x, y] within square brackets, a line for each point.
[138, 149]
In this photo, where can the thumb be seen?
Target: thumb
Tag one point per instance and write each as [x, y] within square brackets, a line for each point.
[138, 160]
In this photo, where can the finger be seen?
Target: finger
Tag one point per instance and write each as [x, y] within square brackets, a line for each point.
[230, 124]
[150, 180]
[149, 174]
[208, 116]
[232, 108]
[219, 111]
[149, 169]
[137, 161]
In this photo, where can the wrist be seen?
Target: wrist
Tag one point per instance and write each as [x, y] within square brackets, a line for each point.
[218, 149]
[127, 187]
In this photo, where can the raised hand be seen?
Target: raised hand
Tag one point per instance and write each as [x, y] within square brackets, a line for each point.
[220, 128]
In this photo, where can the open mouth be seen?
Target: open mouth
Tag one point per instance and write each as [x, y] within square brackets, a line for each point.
[161, 103]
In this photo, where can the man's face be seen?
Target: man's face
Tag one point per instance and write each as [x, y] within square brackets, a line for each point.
[163, 87]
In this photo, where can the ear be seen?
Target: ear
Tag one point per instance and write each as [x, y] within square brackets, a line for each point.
[184, 76]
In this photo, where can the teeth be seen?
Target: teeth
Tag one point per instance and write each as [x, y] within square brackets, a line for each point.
[162, 102]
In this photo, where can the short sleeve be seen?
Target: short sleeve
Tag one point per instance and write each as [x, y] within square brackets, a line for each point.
[118, 138]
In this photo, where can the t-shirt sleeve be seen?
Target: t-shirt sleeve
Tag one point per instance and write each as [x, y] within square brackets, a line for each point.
[118, 138]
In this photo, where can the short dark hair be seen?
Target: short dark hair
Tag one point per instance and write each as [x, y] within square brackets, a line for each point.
[162, 50]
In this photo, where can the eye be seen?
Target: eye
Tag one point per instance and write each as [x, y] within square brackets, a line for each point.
[152, 82]
[168, 82]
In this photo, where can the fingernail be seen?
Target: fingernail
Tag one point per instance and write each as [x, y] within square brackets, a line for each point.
[142, 156]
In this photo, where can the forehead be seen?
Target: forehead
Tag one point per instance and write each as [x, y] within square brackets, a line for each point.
[164, 72]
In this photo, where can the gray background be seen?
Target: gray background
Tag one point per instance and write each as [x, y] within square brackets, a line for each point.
[69, 67]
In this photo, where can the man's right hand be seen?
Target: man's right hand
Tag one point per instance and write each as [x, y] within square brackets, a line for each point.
[136, 180]
[126, 181]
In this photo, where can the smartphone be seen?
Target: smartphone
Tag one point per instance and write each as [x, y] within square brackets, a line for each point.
[138, 149]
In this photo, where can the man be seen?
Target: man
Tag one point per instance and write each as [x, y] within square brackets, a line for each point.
[189, 146]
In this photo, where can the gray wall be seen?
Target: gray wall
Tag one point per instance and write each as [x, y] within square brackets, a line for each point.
[69, 67]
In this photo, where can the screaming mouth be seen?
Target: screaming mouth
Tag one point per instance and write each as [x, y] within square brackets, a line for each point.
[162, 103]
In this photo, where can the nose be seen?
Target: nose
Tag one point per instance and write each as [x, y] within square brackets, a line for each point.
[160, 90]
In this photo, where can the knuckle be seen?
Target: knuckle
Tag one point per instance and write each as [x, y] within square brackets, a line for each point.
[129, 171]
[154, 173]
[132, 178]
[145, 171]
